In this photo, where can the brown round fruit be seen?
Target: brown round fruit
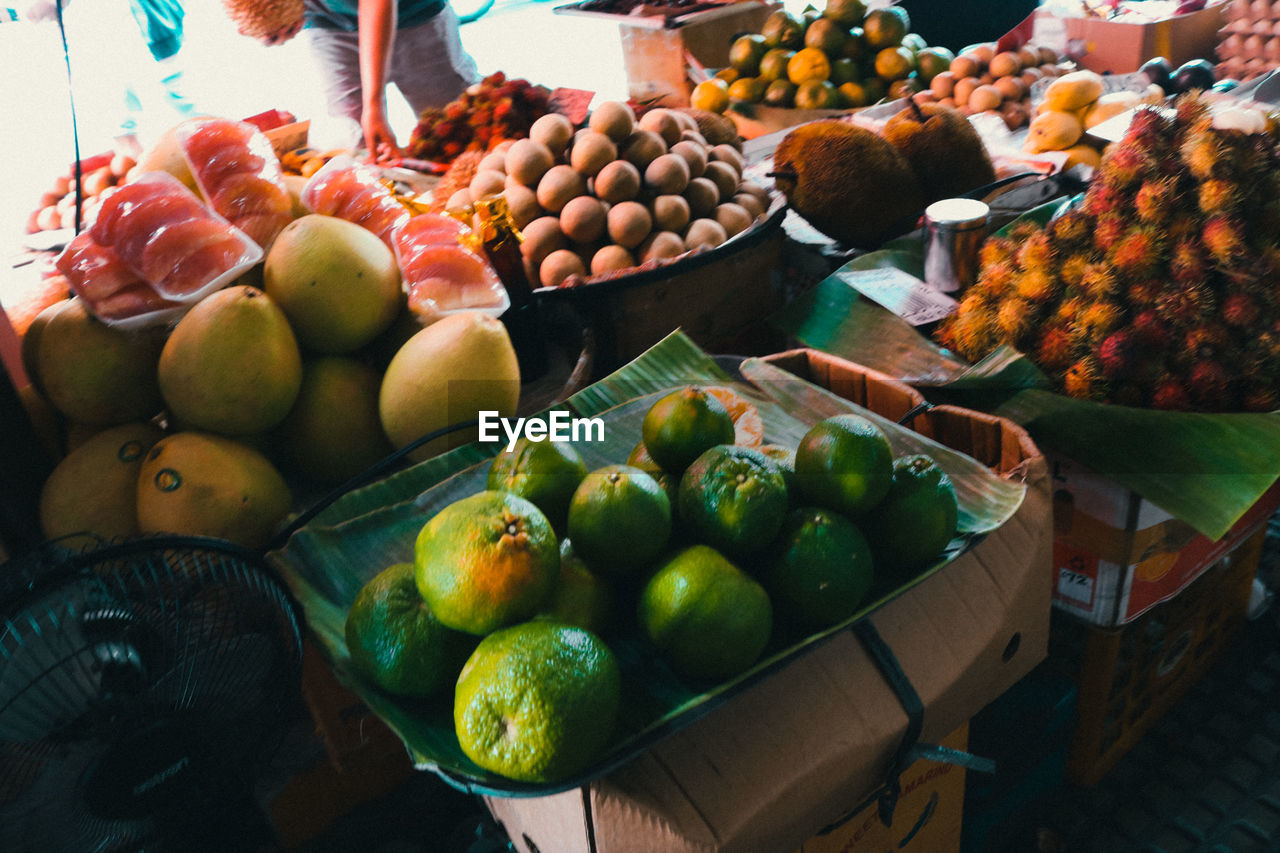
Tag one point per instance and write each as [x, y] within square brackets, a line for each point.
[591, 152]
[552, 130]
[724, 176]
[542, 236]
[614, 119]
[668, 173]
[583, 219]
[703, 195]
[642, 147]
[558, 186]
[558, 266]
[704, 234]
[663, 123]
[662, 244]
[670, 213]
[617, 181]
[610, 258]
[694, 155]
[629, 223]
[734, 218]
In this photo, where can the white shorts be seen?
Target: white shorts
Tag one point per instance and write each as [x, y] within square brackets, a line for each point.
[428, 65]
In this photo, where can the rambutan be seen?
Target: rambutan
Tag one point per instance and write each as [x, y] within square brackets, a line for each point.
[1149, 131]
[1020, 232]
[970, 332]
[1037, 285]
[1187, 263]
[1056, 348]
[1124, 166]
[1171, 394]
[1099, 280]
[997, 250]
[1210, 385]
[1202, 154]
[1069, 312]
[997, 278]
[1117, 354]
[1144, 292]
[1223, 237]
[1190, 110]
[1107, 231]
[1072, 270]
[1206, 339]
[1182, 225]
[1100, 318]
[1137, 252]
[1150, 330]
[1186, 305]
[1071, 229]
[1036, 253]
[1240, 310]
[1154, 200]
[1015, 319]
[1083, 379]
[1260, 397]
[1104, 200]
[1217, 195]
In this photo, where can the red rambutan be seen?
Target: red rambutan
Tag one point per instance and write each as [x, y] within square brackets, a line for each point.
[1186, 305]
[1217, 195]
[1154, 200]
[1171, 394]
[997, 250]
[1210, 385]
[1117, 353]
[1206, 339]
[1072, 270]
[1202, 154]
[1240, 310]
[1107, 231]
[1014, 319]
[1149, 131]
[997, 278]
[1100, 318]
[1071, 229]
[1190, 109]
[1057, 347]
[1124, 166]
[1187, 263]
[1145, 292]
[1223, 237]
[1036, 253]
[1150, 330]
[1104, 199]
[1099, 281]
[1037, 285]
[1137, 252]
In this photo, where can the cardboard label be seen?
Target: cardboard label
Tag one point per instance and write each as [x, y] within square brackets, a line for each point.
[902, 293]
[1077, 575]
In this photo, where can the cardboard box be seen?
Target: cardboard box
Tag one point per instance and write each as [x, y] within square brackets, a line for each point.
[790, 754]
[1115, 555]
[654, 57]
[927, 819]
[1122, 45]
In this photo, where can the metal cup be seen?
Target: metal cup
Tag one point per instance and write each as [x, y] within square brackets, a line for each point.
[954, 231]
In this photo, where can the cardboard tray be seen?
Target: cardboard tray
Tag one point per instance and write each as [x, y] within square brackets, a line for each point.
[795, 751]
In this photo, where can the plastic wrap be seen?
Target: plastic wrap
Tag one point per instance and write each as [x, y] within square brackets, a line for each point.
[113, 292]
[350, 191]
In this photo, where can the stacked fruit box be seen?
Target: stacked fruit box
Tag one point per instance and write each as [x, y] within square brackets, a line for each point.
[1250, 41]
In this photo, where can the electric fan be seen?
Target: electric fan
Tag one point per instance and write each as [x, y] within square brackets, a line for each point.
[141, 685]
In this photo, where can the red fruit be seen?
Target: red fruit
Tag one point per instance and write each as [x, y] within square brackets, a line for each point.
[1210, 385]
[1103, 200]
[1116, 354]
[455, 111]
[1207, 339]
[1150, 330]
[1056, 349]
[1223, 237]
[1240, 310]
[1107, 231]
[1136, 252]
[1170, 394]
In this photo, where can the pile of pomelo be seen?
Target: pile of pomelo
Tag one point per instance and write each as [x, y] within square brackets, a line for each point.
[707, 543]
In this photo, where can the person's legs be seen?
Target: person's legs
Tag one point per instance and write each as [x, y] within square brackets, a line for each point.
[429, 65]
[337, 57]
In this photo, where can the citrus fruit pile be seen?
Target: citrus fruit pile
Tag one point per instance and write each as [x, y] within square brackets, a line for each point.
[707, 542]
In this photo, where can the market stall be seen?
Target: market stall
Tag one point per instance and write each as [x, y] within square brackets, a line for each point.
[700, 471]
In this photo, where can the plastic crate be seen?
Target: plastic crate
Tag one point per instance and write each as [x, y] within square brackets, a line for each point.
[1128, 677]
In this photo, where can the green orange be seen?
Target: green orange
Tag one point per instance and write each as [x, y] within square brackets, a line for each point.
[619, 519]
[885, 27]
[821, 570]
[708, 619]
[537, 702]
[746, 52]
[774, 64]
[486, 561]
[396, 641]
[581, 597]
[544, 472]
[734, 499]
[917, 518]
[683, 424]
[844, 463]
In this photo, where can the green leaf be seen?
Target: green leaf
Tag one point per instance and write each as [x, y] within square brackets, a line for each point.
[328, 560]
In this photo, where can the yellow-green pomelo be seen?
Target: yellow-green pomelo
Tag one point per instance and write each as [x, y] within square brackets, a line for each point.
[336, 281]
[486, 561]
[166, 155]
[94, 489]
[333, 431]
[97, 374]
[232, 365]
[537, 702]
[205, 485]
[396, 641]
[446, 374]
[708, 618]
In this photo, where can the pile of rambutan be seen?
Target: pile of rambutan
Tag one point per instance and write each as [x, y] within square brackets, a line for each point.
[1161, 288]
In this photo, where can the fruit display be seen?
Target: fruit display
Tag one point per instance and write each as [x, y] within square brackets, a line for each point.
[700, 548]
[980, 79]
[487, 112]
[863, 187]
[1157, 289]
[1071, 105]
[1250, 40]
[57, 207]
[616, 194]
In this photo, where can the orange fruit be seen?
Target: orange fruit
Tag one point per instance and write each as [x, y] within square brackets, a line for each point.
[537, 702]
[821, 570]
[708, 619]
[711, 95]
[544, 472]
[916, 520]
[681, 425]
[486, 561]
[619, 519]
[895, 63]
[748, 426]
[809, 63]
[734, 499]
[844, 463]
[396, 641]
[581, 597]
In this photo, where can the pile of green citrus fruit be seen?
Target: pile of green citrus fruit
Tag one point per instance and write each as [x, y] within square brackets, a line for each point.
[841, 57]
[707, 542]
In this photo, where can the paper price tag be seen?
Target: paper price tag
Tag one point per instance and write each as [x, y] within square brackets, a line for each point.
[1075, 586]
[902, 293]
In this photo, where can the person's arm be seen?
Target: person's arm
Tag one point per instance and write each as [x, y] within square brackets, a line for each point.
[377, 25]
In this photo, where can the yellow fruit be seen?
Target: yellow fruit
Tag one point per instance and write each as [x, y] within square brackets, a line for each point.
[447, 374]
[711, 95]
[333, 431]
[1052, 130]
[809, 63]
[1073, 91]
[336, 281]
[93, 373]
[294, 184]
[486, 561]
[537, 702]
[165, 155]
[708, 619]
[396, 641]
[231, 366]
[1082, 155]
[199, 484]
[1109, 106]
[94, 488]
[894, 63]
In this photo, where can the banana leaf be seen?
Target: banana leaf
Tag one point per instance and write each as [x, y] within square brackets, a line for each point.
[1205, 469]
[329, 558]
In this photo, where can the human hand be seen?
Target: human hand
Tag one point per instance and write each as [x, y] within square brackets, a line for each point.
[379, 139]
